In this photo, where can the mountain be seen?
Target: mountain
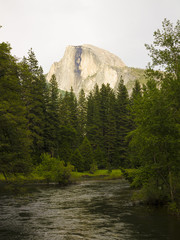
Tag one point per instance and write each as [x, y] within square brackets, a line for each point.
[84, 66]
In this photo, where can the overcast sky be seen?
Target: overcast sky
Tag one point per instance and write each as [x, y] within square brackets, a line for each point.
[119, 26]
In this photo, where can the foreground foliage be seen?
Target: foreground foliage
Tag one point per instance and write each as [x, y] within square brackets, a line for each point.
[155, 140]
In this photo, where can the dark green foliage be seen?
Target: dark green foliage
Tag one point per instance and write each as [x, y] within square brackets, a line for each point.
[135, 97]
[14, 135]
[67, 142]
[68, 110]
[87, 153]
[155, 140]
[136, 91]
[93, 126]
[52, 127]
[34, 96]
[108, 124]
[77, 160]
[122, 123]
[99, 158]
[93, 167]
[82, 113]
[105, 130]
[54, 170]
[108, 120]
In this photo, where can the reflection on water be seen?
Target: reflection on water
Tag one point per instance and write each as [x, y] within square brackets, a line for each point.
[90, 210]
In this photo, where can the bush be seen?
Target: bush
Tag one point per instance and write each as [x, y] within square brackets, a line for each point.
[62, 173]
[93, 167]
[54, 170]
[152, 195]
[173, 208]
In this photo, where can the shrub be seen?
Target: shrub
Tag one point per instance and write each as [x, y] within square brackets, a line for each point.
[152, 195]
[53, 169]
[93, 167]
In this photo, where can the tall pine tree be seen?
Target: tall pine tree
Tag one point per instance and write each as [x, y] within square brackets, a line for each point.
[52, 122]
[122, 124]
[82, 113]
[14, 135]
[34, 85]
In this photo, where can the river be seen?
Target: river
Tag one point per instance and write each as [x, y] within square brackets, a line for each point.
[93, 210]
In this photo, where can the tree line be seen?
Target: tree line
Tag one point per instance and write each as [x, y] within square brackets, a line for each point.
[87, 131]
[106, 129]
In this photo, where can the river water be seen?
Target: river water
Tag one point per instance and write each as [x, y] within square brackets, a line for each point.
[90, 210]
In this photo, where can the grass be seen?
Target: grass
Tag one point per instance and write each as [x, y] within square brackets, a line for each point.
[99, 174]
[34, 178]
[75, 176]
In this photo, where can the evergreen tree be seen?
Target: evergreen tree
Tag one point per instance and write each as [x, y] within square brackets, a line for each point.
[91, 128]
[14, 135]
[63, 110]
[87, 153]
[82, 113]
[89, 112]
[122, 123]
[94, 131]
[68, 110]
[110, 137]
[34, 88]
[77, 160]
[96, 117]
[136, 94]
[67, 142]
[72, 103]
[101, 122]
[52, 123]
[99, 158]
[69, 139]
[136, 91]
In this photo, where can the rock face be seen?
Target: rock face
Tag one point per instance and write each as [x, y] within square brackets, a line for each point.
[87, 65]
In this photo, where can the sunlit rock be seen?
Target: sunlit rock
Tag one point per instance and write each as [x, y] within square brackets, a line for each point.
[87, 65]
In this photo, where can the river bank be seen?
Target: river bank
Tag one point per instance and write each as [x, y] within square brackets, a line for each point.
[75, 177]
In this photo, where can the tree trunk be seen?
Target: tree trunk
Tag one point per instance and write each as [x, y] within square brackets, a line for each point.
[5, 176]
[171, 186]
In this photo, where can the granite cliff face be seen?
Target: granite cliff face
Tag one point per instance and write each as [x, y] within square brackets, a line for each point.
[86, 65]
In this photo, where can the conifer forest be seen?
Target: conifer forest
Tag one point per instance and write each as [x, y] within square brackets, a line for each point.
[52, 132]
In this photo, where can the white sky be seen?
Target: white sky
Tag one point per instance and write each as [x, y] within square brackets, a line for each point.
[119, 26]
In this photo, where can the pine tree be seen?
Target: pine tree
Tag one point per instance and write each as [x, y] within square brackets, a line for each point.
[99, 158]
[14, 135]
[52, 123]
[77, 160]
[34, 88]
[136, 91]
[94, 131]
[90, 126]
[87, 153]
[108, 121]
[136, 94]
[72, 103]
[122, 123]
[67, 142]
[68, 110]
[96, 117]
[82, 113]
